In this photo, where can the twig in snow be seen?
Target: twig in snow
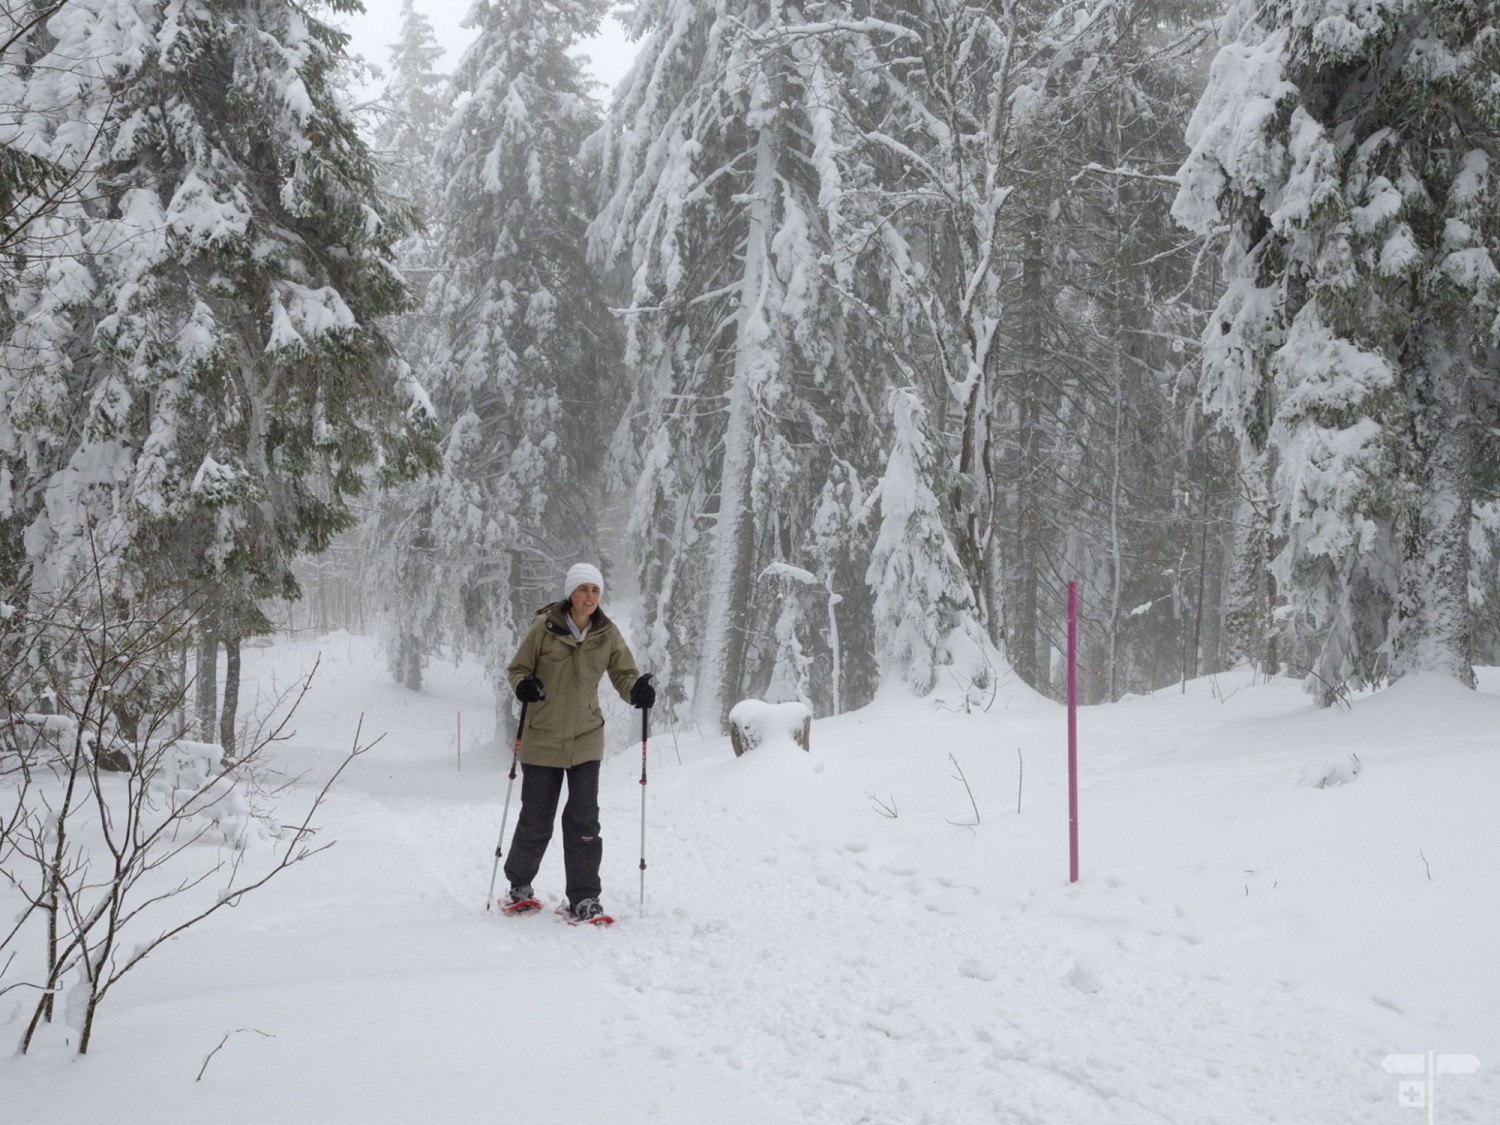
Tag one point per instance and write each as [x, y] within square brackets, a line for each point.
[887, 810]
[227, 1035]
[960, 776]
[1020, 774]
[673, 735]
[1425, 864]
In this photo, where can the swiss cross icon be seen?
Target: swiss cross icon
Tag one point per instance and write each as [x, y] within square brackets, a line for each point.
[1418, 1093]
[1413, 1095]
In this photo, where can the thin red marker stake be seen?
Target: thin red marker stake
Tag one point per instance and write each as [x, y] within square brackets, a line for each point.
[1072, 732]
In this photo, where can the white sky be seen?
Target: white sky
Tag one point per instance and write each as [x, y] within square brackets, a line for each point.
[375, 31]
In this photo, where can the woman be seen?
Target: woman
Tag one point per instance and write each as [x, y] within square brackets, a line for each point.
[556, 672]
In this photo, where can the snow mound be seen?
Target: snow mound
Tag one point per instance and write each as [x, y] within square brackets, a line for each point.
[759, 723]
[1325, 774]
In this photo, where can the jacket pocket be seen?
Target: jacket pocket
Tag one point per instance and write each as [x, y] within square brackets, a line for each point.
[541, 716]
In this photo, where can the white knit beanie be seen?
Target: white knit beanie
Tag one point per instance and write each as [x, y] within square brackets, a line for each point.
[578, 574]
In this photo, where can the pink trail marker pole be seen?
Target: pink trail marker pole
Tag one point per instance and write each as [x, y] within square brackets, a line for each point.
[1072, 732]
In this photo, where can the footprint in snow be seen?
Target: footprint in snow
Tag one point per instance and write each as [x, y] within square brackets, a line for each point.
[974, 970]
[1084, 979]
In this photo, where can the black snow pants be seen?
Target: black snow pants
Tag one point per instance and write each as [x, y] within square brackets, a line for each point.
[541, 787]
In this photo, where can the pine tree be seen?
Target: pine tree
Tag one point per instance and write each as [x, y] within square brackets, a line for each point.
[525, 366]
[921, 591]
[414, 107]
[838, 544]
[723, 196]
[796, 593]
[1352, 155]
[956, 80]
[414, 612]
[1092, 438]
[192, 378]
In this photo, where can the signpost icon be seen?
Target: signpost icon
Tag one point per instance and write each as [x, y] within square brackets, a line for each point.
[1414, 1094]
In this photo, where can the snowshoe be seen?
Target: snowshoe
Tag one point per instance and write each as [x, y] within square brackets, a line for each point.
[588, 912]
[520, 900]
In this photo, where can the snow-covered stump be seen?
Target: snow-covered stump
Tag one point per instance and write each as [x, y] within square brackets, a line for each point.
[753, 722]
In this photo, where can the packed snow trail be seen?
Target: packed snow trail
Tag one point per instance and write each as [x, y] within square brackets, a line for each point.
[1253, 934]
[789, 939]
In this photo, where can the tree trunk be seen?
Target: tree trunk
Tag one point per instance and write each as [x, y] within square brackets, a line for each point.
[1117, 350]
[722, 663]
[1250, 591]
[323, 598]
[1111, 672]
[1028, 665]
[1192, 656]
[972, 493]
[207, 685]
[835, 671]
[86, 1034]
[1435, 630]
[229, 715]
[183, 648]
[411, 663]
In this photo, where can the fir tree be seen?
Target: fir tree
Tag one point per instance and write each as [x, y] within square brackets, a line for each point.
[524, 367]
[957, 86]
[1092, 438]
[921, 591]
[723, 196]
[414, 613]
[1352, 153]
[192, 381]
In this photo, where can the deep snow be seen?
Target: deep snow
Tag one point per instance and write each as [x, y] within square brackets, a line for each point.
[1273, 900]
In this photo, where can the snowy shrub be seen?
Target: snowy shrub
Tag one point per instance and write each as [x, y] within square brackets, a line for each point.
[117, 831]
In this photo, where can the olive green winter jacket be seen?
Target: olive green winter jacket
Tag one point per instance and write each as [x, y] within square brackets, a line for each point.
[567, 727]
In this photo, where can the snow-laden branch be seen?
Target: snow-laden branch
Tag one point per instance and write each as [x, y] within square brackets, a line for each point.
[832, 27]
[1125, 172]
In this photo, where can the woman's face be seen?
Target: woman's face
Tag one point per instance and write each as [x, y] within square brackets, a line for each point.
[584, 601]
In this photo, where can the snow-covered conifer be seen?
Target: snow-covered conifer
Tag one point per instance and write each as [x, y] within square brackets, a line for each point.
[723, 196]
[1090, 436]
[1351, 153]
[953, 82]
[192, 378]
[413, 110]
[838, 542]
[414, 612]
[920, 587]
[524, 369]
[794, 591]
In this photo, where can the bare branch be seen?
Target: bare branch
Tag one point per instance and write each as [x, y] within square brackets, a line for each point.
[227, 1036]
[960, 777]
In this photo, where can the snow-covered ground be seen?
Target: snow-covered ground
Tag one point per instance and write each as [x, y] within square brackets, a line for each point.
[1273, 900]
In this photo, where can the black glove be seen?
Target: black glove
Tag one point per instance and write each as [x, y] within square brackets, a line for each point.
[642, 694]
[530, 690]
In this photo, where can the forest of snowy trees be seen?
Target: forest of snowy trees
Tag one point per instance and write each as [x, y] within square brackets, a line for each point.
[842, 335]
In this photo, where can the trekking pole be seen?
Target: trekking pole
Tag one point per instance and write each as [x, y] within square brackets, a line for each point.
[645, 716]
[515, 757]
